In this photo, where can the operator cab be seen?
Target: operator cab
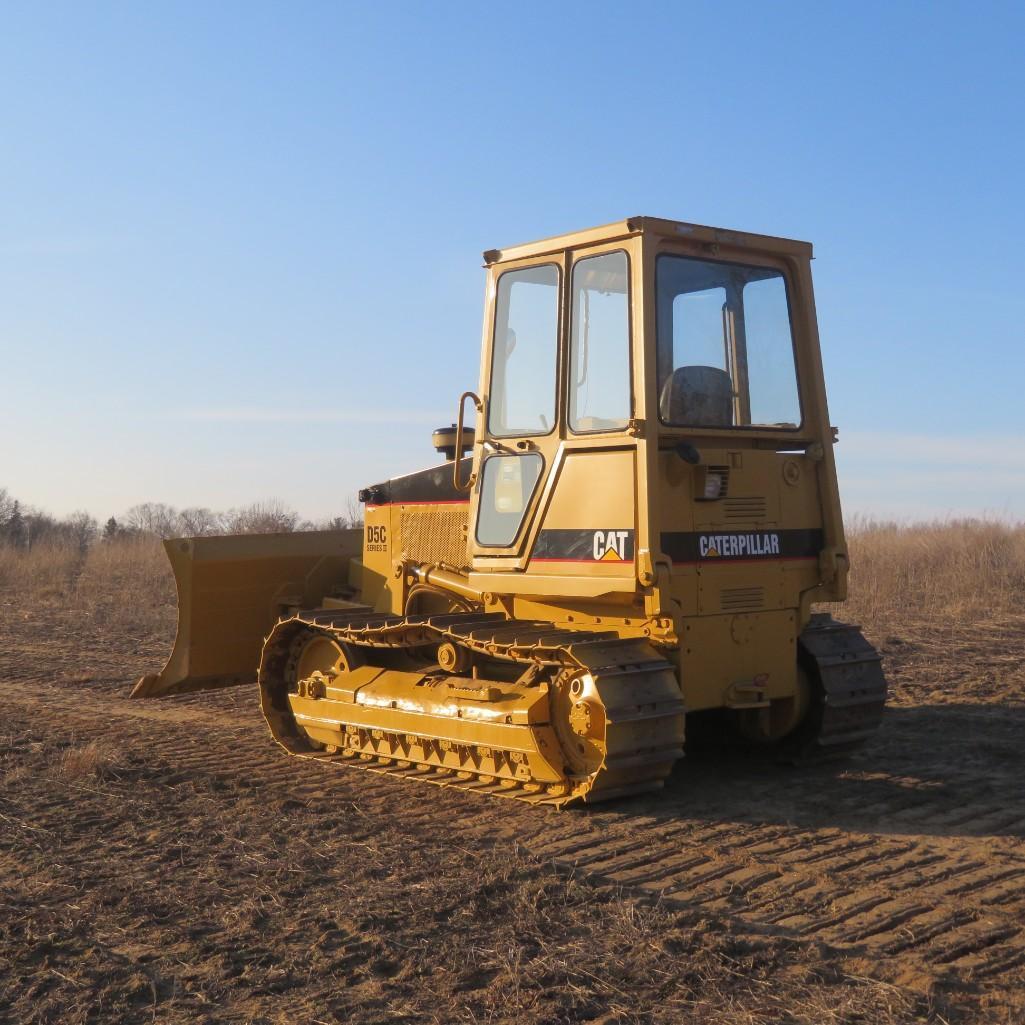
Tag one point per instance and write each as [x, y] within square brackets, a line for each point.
[604, 349]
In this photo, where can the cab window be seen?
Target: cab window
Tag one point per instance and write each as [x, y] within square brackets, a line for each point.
[725, 348]
[599, 387]
[523, 362]
[507, 483]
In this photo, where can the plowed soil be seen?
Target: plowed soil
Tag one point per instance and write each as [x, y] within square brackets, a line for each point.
[163, 861]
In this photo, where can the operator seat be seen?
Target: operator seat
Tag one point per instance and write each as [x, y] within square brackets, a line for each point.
[697, 397]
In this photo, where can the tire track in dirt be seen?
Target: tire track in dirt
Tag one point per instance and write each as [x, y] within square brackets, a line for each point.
[942, 888]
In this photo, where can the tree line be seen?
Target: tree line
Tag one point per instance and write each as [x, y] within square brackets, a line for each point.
[23, 526]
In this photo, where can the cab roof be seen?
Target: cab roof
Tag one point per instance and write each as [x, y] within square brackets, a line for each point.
[655, 226]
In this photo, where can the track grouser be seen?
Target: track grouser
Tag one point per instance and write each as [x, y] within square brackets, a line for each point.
[628, 540]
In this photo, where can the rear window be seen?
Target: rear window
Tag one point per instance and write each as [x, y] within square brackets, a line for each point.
[725, 346]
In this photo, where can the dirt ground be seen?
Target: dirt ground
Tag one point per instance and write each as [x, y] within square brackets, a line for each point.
[163, 862]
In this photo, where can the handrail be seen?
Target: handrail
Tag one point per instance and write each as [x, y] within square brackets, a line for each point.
[459, 439]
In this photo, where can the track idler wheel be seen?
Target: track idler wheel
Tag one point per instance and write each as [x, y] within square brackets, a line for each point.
[312, 661]
[578, 717]
[321, 658]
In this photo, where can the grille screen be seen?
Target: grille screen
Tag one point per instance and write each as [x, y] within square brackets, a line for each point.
[748, 509]
[742, 599]
[435, 534]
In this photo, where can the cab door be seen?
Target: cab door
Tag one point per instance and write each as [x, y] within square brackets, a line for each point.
[556, 471]
[518, 429]
[586, 543]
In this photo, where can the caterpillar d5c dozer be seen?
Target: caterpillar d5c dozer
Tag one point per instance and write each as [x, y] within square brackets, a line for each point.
[648, 512]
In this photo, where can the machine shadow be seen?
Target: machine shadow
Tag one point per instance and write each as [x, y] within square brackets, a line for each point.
[942, 770]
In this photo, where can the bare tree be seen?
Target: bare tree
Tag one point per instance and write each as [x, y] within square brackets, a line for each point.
[7, 506]
[351, 518]
[12, 520]
[39, 526]
[23, 526]
[197, 522]
[353, 514]
[153, 518]
[269, 517]
[81, 529]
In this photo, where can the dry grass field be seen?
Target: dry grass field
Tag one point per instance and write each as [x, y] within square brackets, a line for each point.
[162, 862]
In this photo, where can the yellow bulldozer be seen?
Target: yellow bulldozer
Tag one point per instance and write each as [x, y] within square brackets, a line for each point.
[630, 536]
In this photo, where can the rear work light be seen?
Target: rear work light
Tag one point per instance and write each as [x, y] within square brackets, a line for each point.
[712, 483]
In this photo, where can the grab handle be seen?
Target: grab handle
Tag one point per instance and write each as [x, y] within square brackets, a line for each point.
[479, 406]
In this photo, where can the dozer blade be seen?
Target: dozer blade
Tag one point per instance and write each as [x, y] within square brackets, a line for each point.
[231, 591]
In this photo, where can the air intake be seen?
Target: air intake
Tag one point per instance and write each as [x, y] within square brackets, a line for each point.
[745, 510]
[742, 599]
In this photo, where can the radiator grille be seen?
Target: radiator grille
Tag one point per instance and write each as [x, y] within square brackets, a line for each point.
[744, 509]
[742, 599]
[434, 534]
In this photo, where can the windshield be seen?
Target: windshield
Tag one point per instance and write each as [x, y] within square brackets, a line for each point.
[725, 350]
[524, 352]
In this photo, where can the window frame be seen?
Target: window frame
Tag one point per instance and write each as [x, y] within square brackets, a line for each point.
[568, 394]
[557, 352]
[784, 273]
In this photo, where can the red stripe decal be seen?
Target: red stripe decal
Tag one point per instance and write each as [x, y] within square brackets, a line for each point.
[446, 501]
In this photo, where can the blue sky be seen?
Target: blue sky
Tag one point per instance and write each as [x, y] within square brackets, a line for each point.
[240, 243]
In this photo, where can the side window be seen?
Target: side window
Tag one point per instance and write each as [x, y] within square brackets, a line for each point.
[507, 482]
[774, 398]
[522, 393]
[599, 387]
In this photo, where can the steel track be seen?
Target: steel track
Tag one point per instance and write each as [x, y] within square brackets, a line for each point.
[620, 668]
